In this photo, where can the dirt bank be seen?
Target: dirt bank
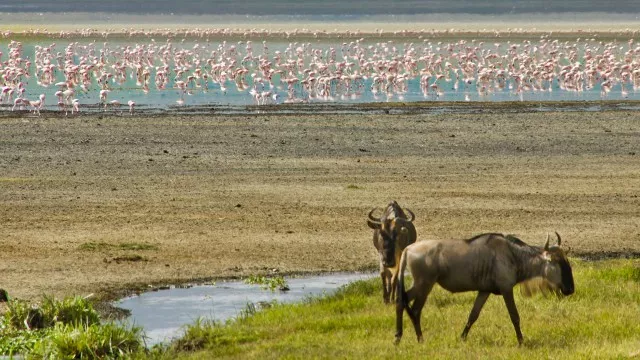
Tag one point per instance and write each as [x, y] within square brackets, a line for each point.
[93, 204]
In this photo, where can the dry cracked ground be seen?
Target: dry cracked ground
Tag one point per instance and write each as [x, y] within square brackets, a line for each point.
[97, 204]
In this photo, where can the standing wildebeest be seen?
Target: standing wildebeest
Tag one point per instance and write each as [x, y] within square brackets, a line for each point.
[487, 263]
[393, 232]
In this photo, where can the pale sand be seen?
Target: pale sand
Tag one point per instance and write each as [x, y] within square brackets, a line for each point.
[590, 22]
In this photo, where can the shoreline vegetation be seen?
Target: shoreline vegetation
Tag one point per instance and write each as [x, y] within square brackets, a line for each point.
[598, 321]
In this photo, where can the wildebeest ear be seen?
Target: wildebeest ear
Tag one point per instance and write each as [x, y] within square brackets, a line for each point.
[374, 226]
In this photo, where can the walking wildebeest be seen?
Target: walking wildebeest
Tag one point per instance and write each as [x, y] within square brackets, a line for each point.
[393, 232]
[487, 263]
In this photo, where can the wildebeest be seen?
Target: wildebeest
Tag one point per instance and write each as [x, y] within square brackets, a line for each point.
[487, 263]
[393, 231]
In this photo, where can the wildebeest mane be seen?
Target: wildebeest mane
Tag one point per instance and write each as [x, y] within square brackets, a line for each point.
[514, 240]
[470, 240]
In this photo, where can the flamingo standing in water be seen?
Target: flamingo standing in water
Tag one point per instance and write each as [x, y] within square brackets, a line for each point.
[103, 97]
[37, 105]
[75, 103]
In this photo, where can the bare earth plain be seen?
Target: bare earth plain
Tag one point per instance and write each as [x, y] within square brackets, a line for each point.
[105, 203]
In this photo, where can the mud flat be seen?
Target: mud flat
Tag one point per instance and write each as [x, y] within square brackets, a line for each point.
[101, 203]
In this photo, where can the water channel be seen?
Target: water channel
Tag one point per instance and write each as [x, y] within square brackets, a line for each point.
[164, 313]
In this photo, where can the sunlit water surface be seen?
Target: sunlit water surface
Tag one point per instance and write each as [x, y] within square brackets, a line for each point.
[164, 313]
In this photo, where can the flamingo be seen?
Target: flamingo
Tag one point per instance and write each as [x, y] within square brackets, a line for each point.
[103, 97]
[131, 104]
[76, 106]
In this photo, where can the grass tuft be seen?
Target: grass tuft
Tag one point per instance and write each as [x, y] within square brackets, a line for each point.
[71, 310]
[271, 283]
[102, 246]
[63, 329]
[88, 341]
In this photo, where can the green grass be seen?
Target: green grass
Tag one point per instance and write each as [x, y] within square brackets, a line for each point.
[18, 341]
[84, 341]
[102, 246]
[272, 283]
[60, 329]
[599, 321]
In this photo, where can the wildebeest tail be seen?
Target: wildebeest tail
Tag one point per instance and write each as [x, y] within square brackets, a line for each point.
[402, 299]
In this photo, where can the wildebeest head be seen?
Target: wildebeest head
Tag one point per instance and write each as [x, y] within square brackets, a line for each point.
[557, 269]
[390, 227]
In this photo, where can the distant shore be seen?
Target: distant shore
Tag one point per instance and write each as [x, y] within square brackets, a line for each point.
[438, 24]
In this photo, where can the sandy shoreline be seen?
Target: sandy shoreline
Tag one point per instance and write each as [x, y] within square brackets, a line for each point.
[434, 24]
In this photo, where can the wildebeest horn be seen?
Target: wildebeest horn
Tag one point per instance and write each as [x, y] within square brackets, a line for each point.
[372, 219]
[546, 245]
[559, 239]
[412, 216]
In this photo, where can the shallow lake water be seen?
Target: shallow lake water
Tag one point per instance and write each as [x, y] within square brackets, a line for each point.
[164, 313]
[341, 71]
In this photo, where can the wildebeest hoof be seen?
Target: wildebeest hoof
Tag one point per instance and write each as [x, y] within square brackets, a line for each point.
[420, 339]
[396, 341]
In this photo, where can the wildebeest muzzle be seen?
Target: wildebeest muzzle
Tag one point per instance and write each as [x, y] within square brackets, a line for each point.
[388, 251]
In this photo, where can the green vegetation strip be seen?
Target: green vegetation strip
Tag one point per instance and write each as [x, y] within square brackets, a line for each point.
[100, 246]
[599, 321]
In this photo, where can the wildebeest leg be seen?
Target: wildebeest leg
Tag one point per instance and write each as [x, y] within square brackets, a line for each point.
[394, 283]
[401, 304]
[513, 312]
[386, 282]
[420, 292]
[475, 312]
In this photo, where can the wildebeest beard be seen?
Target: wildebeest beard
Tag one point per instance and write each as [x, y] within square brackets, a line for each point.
[567, 277]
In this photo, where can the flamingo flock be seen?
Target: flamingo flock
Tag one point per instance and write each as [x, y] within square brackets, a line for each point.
[313, 71]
